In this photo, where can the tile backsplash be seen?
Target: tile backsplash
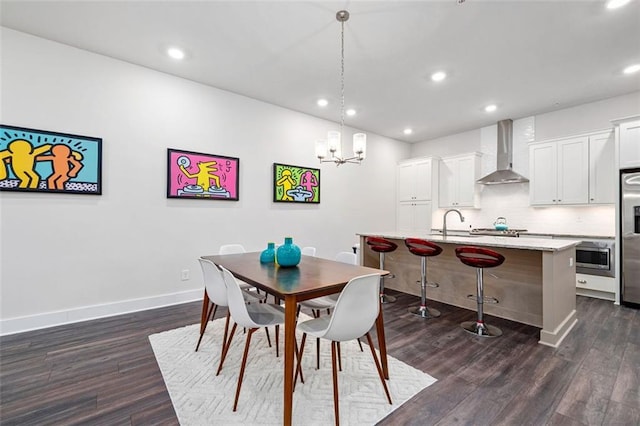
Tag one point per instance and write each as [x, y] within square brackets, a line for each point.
[512, 202]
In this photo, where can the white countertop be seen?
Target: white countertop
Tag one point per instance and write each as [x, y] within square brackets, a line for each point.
[524, 243]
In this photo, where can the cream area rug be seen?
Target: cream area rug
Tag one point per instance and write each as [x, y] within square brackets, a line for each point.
[202, 398]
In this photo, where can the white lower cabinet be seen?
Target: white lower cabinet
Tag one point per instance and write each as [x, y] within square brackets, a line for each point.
[596, 286]
[414, 217]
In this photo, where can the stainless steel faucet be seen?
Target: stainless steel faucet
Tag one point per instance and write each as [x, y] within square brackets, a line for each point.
[444, 226]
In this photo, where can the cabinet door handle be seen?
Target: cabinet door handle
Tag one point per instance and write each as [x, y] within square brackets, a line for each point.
[582, 281]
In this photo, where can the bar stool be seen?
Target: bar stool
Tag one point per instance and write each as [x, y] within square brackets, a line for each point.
[382, 245]
[423, 249]
[480, 258]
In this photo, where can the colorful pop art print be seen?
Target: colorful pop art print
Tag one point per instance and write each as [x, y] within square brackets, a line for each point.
[43, 161]
[202, 176]
[295, 184]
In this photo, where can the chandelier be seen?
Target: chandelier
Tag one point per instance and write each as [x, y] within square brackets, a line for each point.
[333, 144]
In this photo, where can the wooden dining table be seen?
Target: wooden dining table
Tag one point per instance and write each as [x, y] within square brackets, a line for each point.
[312, 277]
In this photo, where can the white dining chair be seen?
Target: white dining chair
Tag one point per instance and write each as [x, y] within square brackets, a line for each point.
[347, 257]
[354, 315]
[252, 317]
[231, 249]
[237, 249]
[328, 302]
[215, 294]
[308, 251]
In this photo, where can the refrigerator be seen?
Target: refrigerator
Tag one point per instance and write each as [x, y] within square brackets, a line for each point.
[630, 237]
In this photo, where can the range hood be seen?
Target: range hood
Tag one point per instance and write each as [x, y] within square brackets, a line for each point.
[505, 173]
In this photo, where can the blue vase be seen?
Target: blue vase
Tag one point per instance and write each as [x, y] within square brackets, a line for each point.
[288, 255]
[269, 254]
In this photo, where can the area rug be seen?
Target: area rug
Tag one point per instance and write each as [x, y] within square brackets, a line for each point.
[202, 398]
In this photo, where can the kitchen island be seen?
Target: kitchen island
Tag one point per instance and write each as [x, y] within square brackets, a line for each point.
[536, 284]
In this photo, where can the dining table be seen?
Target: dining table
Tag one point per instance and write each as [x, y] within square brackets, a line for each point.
[312, 277]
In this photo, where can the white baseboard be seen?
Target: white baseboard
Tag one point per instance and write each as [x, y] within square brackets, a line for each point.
[52, 319]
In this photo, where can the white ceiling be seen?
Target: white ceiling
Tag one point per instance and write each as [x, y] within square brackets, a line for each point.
[527, 57]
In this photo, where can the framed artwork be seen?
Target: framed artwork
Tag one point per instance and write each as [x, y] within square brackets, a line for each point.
[295, 184]
[202, 176]
[43, 161]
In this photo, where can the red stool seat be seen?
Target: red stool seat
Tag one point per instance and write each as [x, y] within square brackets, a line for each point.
[421, 247]
[382, 245]
[424, 249]
[480, 258]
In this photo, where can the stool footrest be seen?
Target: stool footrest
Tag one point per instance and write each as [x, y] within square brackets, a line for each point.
[485, 299]
[432, 285]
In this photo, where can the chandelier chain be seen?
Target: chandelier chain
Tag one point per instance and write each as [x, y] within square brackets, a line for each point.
[341, 80]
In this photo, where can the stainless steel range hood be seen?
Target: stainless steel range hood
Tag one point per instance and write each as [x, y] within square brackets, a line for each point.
[505, 173]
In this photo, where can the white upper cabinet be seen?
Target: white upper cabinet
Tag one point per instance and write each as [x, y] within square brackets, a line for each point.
[574, 170]
[457, 181]
[628, 133]
[415, 178]
[417, 185]
[559, 172]
[602, 173]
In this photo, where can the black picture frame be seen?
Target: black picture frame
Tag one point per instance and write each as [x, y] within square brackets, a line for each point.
[296, 184]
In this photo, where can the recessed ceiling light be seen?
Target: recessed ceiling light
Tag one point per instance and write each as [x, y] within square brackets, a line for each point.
[614, 4]
[350, 112]
[407, 131]
[322, 102]
[438, 76]
[175, 53]
[490, 108]
[631, 69]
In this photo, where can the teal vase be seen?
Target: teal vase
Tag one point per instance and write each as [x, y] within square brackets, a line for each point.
[288, 255]
[269, 254]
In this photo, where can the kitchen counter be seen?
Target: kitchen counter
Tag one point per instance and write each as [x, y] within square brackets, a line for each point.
[536, 284]
[524, 243]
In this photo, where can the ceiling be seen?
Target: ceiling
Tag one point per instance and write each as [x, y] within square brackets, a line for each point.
[526, 57]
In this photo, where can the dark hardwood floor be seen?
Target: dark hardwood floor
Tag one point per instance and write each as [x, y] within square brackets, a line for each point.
[104, 371]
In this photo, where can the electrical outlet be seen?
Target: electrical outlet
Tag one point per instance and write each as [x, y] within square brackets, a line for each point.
[570, 262]
[184, 275]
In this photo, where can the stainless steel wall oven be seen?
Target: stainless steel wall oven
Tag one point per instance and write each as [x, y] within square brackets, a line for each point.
[596, 257]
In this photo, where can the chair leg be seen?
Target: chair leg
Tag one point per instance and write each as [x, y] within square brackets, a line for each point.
[208, 311]
[244, 363]
[339, 357]
[375, 359]
[223, 352]
[299, 367]
[266, 330]
[317, 353]
[336, 410]
[226, 348]
[360, 344]
[277, 340]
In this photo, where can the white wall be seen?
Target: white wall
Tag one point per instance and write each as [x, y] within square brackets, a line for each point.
[69, 257]
[512, 200]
